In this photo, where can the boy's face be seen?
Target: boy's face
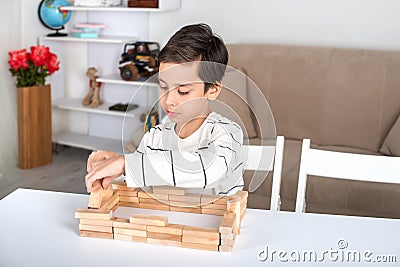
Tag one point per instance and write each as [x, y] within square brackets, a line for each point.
[182, 94]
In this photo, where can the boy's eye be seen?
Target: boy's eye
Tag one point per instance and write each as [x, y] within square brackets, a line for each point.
[182, 92]
[163, 87]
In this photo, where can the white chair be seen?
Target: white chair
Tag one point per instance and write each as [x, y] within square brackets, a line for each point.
[268, 158]
[341, 165]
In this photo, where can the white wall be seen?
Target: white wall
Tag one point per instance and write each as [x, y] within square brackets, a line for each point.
[9, 31]
[19, 28]
[373, 24]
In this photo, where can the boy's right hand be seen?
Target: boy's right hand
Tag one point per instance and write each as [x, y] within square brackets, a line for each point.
[103, 167]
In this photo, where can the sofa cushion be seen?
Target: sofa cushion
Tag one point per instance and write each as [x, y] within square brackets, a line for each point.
[391, 144]
[336, 97]
[232, 101]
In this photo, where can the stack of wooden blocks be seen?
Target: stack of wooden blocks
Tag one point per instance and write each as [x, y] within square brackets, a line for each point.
[98, 220]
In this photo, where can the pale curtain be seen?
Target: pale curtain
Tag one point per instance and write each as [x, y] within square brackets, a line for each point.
[10, 39]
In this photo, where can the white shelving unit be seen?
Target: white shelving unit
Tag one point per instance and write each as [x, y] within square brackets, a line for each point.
[100, 39]
[116, 79]
[164, 6]
[99, 128]
[75, 104]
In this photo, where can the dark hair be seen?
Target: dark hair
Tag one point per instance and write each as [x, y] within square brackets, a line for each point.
[197, 42]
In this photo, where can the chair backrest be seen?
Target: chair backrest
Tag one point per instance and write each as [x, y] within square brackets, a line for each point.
[341, 165]
[267, 158]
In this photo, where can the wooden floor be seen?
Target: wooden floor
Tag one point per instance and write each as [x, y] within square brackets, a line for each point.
[65, 174]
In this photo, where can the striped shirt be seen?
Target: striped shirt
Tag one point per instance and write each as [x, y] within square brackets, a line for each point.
[208, 161]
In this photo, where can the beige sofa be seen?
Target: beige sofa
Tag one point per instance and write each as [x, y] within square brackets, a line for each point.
[343, 100]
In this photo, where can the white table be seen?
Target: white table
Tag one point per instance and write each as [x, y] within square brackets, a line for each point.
[38, 228]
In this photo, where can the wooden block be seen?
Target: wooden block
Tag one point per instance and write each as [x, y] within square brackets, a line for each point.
[111, 202]
[152, 201]
[233, 205]
[214, 206]
[96, 234]
[96, 222]
[123, 237]
[225, 248]
[182, 204]
[169, 190]
[107, 193]
[139, 239]
[153, 206]
[128, 204]
[196, 231]
[133, 232]
[188, 198]
[228, 236]
[128, 193]
[149, 195]
[162, 236]
[96, 228]
[196, 210]
[242, 211]
[129, 199]
[243, 194]
[93, 214]
[172, 229]
[96, 196]
[200, 246]
[124, 223]
[164, 242]
[228, 223]
[120, 185]
[228, 242]
[215, 199]
[213, 212]
[200, 240]
[148, 220]
[242, 216]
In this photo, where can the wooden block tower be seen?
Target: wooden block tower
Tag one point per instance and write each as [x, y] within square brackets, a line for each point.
[98, 220]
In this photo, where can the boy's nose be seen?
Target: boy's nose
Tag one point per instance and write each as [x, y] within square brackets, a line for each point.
[170, 98]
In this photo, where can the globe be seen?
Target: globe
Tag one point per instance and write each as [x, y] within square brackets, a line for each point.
[52, 17]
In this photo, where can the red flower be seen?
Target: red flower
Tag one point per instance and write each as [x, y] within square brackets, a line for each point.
[39, 55]
[31, 69]
[52, 63]
[18, 58]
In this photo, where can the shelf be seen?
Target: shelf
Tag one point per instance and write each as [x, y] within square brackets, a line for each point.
[116, 79]
[75, 104]
[164, 5]
[88, 142]
[102, 39]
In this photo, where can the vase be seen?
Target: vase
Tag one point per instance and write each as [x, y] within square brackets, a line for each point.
[34, 126]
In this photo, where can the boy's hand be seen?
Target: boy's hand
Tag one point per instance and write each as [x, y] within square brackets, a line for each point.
[105, 167]
[98, 156]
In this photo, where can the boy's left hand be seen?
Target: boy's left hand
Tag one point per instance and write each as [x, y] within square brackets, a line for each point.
[99, 155]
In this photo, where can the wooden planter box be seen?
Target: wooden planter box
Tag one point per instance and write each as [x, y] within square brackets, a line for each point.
[34, 126]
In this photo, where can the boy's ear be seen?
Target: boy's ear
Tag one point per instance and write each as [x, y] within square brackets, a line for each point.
[214, 91]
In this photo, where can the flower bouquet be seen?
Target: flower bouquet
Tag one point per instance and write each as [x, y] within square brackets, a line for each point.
[34, 103]
[31, 69]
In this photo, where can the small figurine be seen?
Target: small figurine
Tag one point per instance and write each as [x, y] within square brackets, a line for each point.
[93, 97]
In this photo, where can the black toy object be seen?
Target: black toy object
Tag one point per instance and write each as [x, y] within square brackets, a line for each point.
[140, 58]
[123, 107]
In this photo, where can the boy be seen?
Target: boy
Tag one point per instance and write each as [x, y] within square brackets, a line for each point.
[197, 148]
